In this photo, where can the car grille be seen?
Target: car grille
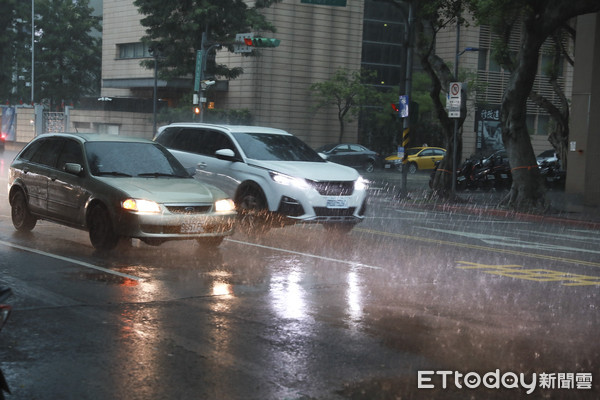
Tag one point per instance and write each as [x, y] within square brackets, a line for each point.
[189, 208]
[333, 188]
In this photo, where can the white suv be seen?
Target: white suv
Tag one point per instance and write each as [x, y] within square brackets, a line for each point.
[274, 178]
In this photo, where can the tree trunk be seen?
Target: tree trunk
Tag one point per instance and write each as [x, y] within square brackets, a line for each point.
[440, 76]
[540, 20]
[341, 119]
[527, 191]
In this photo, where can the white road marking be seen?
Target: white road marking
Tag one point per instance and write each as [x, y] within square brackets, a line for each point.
[511, 241]
[352, 263]
[70, 260]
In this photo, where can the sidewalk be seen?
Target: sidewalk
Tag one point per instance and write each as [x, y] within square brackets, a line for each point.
[566, 209]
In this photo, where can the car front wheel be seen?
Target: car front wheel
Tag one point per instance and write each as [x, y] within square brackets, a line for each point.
[102, 234]
[22, 219]
[412, 168]
[369, 166]
[252, 209]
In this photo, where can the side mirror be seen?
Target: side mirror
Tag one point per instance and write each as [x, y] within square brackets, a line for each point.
[226, 154]
[73, 168]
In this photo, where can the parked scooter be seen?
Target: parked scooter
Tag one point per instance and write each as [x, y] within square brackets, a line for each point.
[552, 173]
[492, 172]
[468, 175]
[5, 293]
[500, 169]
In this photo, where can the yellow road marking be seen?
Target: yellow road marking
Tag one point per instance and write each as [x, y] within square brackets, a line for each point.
[534, 274]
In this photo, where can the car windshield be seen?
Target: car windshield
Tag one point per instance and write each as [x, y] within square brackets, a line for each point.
[274, 147]
[132, 159]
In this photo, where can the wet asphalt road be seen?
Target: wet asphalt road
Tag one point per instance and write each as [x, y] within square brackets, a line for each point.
[299, 313]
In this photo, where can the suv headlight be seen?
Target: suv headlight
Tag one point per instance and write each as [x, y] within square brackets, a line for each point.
[287, 180]
[361, 183]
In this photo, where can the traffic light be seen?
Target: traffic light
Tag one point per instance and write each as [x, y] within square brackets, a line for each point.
[196, 110]
[262, 42]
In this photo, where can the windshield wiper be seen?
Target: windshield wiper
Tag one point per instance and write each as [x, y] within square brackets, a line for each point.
[113, 173]
[157, 174]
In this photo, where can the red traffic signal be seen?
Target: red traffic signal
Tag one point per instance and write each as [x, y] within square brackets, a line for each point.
[262, 42]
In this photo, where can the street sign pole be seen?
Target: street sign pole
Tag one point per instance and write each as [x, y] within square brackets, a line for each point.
[453, 92]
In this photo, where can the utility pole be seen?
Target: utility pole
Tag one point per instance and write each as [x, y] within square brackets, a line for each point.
[407, 89]
[32, 48]
[200, 83]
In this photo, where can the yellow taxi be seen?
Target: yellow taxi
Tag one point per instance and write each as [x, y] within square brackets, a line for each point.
[417, 158]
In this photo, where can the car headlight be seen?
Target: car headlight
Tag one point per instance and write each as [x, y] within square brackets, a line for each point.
[224, 205]
[287, 180]
[361, 183]
[141, 206]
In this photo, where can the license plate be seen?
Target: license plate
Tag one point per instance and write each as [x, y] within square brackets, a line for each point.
[387, 166]
[191, 227]
[337, 203]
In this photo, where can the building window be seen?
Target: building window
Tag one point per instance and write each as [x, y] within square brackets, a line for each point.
[133, 50]
[482, 61]
[543, 125]
[547, 63]
[494, 66]
[384, 31]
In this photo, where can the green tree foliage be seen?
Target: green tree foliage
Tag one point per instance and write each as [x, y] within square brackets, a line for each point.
[381, 127]
[15, 53]
[175, 28]
[67, 55]
[346, 91]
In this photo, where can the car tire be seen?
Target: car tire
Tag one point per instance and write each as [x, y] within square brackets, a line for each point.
[22, 219]
[252, 209]
[412, 168]
[369, 166]
[101, 231]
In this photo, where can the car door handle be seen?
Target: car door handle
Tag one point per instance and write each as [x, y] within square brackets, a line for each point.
[201, 165]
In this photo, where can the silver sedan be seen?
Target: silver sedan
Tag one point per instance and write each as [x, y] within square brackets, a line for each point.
[115, 187]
